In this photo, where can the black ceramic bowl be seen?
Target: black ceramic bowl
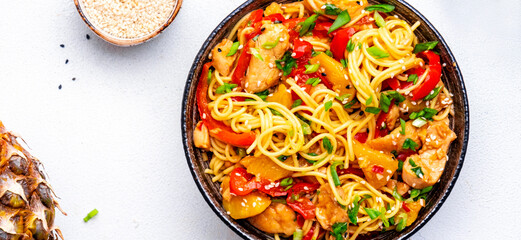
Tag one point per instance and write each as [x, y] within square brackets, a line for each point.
[459, 123]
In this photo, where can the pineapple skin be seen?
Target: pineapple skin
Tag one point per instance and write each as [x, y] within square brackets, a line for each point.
[27, 201]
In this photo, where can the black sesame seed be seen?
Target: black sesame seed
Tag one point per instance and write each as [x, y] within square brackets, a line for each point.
[62, 45]
[219, 50]
[324, 74]
[405, 113]
[87, 36]
[348, 87]
[361, 113]
[358, 2]
[66, 61]
[60, 87]
[262, 29]
[73, 79]
[367, 130]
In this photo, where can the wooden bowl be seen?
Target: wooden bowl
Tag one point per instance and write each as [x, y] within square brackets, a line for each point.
[459, 123]
[126, 42]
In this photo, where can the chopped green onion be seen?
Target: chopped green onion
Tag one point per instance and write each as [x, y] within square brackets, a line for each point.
[402, 125]
[306, 129]
[313, 81]
[329, 53]
[400, 165]
[225, 88]
[373, 214]
[276, 113]
[256, 54]
[339, 228]
[432, 94]
[409, 144]
[413, 78]
[331, 9]
[308, 24]
[297, 235]
[354, 211]
[413, 164]
[289, 63]
[263, 95]
[296, 103]
[396, 96]
[343, 62]
[369, 100]
[391, 220]
[403, 222]
[343, 97]
[397, 195]
[350, 45]
[350, 104]
[233, 49]
[90, 215]
[241, 152]
[286, 182]
[420, 47]
[429, 113]
[342, 19]
[311, 68]
[380, 7]
[209, 77]
[419, 122]
[377, 52]
[383, 217]
[385, 102]
[328, 105]
[418, 171]
[426, 190]
[326, 143]
[415, 193]
[379, 20]
[270, 45]
[373, 110]
[334, 174]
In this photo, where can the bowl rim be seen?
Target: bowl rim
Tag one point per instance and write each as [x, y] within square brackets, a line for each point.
[233, 226]
[126, 42]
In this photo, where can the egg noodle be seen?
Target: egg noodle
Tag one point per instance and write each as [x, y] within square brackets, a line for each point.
[279, 129]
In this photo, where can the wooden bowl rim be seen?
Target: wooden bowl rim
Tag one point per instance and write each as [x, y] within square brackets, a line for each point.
[126, 42]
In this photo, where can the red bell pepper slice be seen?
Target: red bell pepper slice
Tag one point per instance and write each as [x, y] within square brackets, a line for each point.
[241, 182]
[361, 137]
[405, 154]
[242, 65]
[355, 171]
[303, 206]
[310, 233]
[275, 17]
[272, 188]
[396, 84]
[432, 79]
[321, 29]
[256, 16]
[377, 169]
[218, 129]
[339, 42]
[301, 48]
[304, 187]
[404, 206]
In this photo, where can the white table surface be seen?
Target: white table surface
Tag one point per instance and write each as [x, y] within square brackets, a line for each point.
[111, 140]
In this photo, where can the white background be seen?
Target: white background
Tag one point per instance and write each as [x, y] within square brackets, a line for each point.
[111, 140]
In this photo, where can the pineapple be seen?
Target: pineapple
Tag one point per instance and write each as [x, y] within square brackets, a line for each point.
[26, 200]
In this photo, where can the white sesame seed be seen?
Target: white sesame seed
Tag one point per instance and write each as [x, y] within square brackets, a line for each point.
[129, 19]
[240, 47]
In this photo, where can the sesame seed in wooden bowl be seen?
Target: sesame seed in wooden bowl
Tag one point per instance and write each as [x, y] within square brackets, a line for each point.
[128, 22]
